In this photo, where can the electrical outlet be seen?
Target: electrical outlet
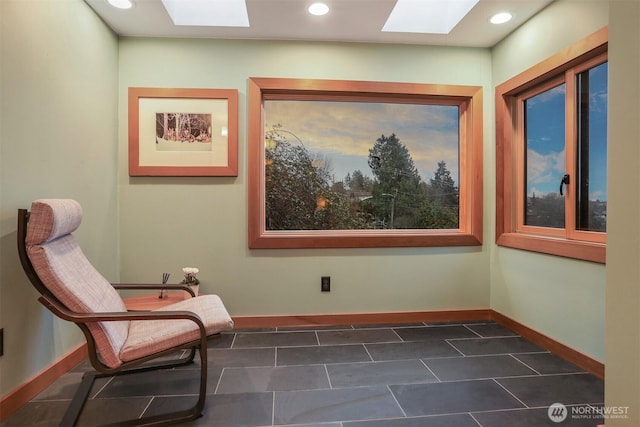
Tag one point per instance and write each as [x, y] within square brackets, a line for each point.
[325, 283]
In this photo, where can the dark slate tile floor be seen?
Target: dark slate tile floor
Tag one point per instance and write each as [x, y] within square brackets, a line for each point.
[442, 374]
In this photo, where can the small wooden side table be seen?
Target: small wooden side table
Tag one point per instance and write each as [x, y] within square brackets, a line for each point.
[152, 302]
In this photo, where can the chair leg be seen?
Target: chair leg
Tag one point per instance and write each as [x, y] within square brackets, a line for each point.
[79, 399]
[82, 394]
[202, 396]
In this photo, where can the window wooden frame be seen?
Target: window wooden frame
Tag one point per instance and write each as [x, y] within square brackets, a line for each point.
[469, 98]
[510, 231]
[520, 159]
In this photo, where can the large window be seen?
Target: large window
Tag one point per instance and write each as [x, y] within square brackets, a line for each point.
[364, 164]
[552, 154]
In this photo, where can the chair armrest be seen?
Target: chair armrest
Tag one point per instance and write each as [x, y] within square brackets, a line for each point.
[74, 317]
[152, 287]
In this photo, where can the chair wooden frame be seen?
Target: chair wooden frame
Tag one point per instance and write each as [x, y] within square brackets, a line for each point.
[139, 365]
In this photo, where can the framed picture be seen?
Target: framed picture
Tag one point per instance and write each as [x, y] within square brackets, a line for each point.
[336, 163]
[183, 132]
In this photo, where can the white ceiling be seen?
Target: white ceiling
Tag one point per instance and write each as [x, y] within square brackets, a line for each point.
[347, 21]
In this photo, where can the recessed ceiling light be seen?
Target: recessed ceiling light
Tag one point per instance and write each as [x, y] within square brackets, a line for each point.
[500, 18]
[318, 9]
[427, 16]
[227, 13]
[121, 4]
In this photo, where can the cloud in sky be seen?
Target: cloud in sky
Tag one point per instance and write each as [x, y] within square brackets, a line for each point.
[544, 171]
[345, 131]
[550, 95]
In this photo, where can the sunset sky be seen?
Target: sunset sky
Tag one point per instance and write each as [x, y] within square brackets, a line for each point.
[343, 132]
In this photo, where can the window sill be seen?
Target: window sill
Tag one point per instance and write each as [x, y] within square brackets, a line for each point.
[586, 251]
[356, 239]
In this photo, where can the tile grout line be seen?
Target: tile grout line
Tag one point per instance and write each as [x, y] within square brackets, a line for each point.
[102, 388]
[534, 370]
[233, 340]
[480, 337]
[475, 332]
[558, 374]
[367, 350]
[432, 373]
[215, 391]
[474, 419]
[404, 414]
[326, 370]
[397, 334]
[144, 410]
[509, 391]
[448, 341]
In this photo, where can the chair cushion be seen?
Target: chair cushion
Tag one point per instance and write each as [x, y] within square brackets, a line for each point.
[63, 268]
[151, 336]
[54, 218]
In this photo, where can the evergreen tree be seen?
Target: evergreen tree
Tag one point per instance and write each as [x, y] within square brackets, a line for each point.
[443, 187]
[396, 190]
[358, 183]
[435, 216]
[440, 210]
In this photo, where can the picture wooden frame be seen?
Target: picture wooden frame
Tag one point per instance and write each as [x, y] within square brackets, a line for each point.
[183, 132]
[468, 99]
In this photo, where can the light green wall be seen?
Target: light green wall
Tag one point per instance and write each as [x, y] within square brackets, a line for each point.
[168, 223]
[622, 387]
[58, 121]
[61, 66]
[559, 25]
[559, 297]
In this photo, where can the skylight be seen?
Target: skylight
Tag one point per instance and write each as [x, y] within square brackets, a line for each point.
[427, 16]
[216, 13]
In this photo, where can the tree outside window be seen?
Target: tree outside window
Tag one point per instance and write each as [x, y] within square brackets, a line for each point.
[304, 192]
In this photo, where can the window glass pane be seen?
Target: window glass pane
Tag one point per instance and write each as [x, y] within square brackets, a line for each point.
[336, 165]
[591, 212]
[544, 128]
